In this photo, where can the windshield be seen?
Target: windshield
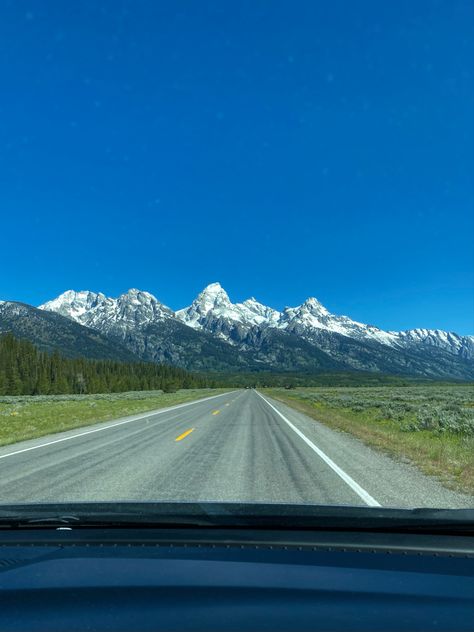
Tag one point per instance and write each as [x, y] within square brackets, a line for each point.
[237, 257]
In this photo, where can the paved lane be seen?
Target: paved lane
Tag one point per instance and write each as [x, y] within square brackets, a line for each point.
[237, 446]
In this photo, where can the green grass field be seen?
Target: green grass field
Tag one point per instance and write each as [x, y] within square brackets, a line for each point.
[34, 416]
[431, 426]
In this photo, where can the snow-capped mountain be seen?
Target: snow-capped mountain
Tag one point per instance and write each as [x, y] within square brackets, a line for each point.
[133, 308]
[447, 341]
[213, 311]
[311, 316]
[50, 332]
[147, 327]
[251, 333]
[214, 301]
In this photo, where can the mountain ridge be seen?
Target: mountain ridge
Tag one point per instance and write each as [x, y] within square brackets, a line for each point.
[50, 332]
[250, 334]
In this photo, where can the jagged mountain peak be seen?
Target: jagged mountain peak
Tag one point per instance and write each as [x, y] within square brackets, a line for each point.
[74, 304]
[258, 313]
[141, 306]
[312, 305]
[90, 308]
[213, 288]
[213, 299]
[138, 297]
[252, 303]
[213, 295]
[136, 315]
[133, 291]
[213, 305]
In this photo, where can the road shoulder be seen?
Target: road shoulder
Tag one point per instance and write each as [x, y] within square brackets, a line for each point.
[391, 482]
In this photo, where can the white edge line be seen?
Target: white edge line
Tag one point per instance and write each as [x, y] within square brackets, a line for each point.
[118, 423]
[360, 491]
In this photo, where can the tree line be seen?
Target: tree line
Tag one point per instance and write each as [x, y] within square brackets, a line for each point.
[24, 370]
[295, 379]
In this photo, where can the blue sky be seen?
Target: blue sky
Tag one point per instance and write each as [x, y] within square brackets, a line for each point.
[286, 149]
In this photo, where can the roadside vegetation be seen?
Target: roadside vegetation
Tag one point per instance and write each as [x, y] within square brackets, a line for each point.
[29, 417]
[431, 426]
[289, 379]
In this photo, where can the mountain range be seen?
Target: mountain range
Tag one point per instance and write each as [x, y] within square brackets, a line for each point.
[215, 334]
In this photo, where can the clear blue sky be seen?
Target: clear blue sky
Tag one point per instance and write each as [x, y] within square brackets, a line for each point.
[286, 149]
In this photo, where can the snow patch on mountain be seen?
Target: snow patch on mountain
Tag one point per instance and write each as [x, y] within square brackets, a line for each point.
[243, 323]
[215, 302]
[257, 313]
[132, 308]
[446, 340]
[74, 304]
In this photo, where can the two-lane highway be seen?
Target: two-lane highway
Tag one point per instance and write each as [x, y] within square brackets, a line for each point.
[239, 446]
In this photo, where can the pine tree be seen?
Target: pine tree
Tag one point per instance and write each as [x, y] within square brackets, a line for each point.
[26, 371]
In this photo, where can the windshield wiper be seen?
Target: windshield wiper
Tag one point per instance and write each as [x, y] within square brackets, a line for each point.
[110, 521]
[257, 517]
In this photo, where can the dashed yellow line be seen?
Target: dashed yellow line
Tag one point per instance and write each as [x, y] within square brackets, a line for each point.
[216, 412]
[185, 434]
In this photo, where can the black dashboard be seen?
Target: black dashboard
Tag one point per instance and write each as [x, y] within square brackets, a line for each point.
[225, 579]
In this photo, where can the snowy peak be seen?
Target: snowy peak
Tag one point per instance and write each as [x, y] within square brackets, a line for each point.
[214, 305]
[311, 317]
[144, 300]
[213, 300]
[134, 307]
[313, 306]
[140, 307]
[138, 295]
[311, 313]
[214, 289]
[74, 304]
[212, 297]
[213, 311]
[244, 323]
[258, 313]
[446, 340]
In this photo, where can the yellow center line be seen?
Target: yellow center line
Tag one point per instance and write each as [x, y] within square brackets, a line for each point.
[185, 434]
[216, 412]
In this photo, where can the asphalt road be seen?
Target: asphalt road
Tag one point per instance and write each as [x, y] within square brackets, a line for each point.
[238, 446]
